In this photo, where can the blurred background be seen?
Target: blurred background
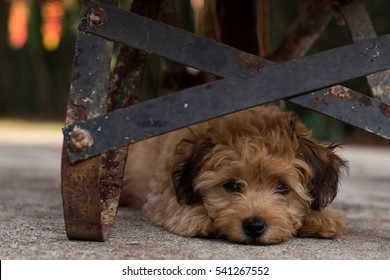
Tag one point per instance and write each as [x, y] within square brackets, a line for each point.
[37, 39]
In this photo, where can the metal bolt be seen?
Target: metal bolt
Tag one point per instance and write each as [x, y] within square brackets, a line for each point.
[97, 17]
[81, 140]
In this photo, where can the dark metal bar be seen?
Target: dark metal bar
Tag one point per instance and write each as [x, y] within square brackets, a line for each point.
[166, 41]
[351, 107]
[141, 122]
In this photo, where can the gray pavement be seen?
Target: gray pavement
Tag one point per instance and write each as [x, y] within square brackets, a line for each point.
[32, 225]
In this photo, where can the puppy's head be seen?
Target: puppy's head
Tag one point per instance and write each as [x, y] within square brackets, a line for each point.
[257, 173]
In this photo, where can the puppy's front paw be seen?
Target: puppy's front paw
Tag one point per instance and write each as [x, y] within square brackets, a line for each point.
[326, 223]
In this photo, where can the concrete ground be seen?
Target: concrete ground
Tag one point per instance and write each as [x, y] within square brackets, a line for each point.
[32, 225]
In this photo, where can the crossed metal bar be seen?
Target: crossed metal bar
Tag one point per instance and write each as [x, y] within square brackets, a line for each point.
[246, 84]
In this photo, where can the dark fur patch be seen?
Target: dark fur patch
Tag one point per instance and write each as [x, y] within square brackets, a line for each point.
[188, 165]
[326, 167]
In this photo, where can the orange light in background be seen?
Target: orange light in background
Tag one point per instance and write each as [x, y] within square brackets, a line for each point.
[18, 23]
[197, 5]
[52, 15]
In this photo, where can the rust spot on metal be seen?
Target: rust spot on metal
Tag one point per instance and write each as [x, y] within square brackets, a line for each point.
[385, 109]
[75, 76]
[81, 139]
[111, 173]
[110, 161]
[250, 61]
[365, 101]
[126, 82]
[341, 92]
[318, 102]
[97, 16]
[79, 112]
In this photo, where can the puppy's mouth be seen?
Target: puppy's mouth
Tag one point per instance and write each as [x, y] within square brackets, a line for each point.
[255, 241]
[245, 240]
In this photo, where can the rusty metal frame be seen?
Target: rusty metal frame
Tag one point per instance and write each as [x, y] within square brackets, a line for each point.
[91, 188]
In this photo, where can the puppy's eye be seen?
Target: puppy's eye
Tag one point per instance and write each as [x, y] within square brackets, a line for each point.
[282, 188]
[233, 186]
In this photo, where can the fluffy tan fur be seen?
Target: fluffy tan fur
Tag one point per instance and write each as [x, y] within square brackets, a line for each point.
[256, 176]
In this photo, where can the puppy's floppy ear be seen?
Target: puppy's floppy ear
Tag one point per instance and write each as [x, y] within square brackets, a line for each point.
[189, 157]
[326, 166]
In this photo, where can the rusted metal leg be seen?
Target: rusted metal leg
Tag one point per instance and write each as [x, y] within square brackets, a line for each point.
[241, 32]
[312, 20]
[360, 27]
[127, 77]
[91, 188]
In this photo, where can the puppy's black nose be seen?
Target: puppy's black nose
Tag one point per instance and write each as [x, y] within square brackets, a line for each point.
[254, 227]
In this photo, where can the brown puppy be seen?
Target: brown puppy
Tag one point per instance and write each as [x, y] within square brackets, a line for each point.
[256, 176]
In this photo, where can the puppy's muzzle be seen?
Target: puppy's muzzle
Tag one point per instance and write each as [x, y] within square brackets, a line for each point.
[254, 227]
